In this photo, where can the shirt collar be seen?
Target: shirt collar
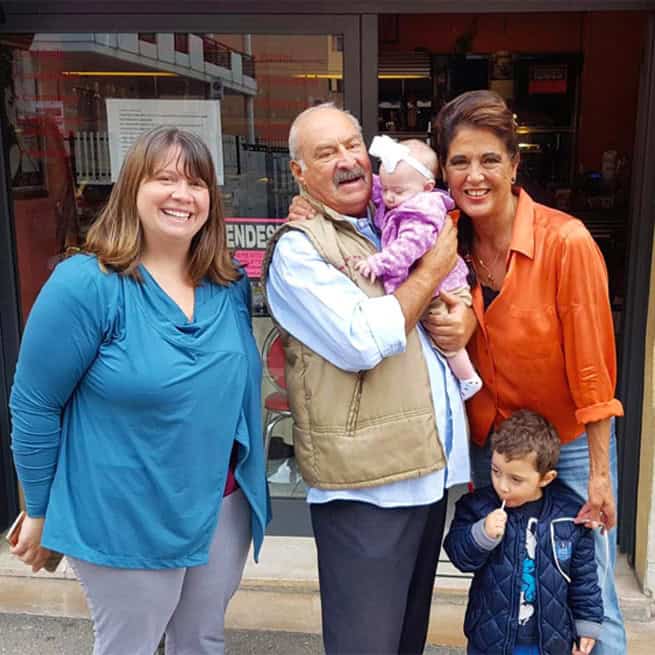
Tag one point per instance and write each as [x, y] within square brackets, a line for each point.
[361, 221]
[523, 230]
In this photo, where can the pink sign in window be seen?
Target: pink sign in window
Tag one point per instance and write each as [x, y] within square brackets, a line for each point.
[248, 238]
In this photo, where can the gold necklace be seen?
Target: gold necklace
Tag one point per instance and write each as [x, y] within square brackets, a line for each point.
[491, 280]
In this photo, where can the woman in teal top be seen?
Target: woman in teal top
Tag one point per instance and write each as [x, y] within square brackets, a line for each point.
[136, 409]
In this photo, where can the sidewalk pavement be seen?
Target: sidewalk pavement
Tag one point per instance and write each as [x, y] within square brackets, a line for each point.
[39, 635]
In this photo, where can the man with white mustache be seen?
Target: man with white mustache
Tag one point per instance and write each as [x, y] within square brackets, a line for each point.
[380, 431]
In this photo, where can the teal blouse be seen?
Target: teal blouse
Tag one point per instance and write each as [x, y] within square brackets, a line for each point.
[125, 413]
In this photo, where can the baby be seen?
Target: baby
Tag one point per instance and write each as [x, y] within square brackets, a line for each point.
[410, 215]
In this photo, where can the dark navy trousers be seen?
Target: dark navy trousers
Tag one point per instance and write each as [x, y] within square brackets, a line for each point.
[376, 572]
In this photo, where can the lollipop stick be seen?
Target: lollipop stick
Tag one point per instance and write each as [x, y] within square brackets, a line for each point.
[503, 505]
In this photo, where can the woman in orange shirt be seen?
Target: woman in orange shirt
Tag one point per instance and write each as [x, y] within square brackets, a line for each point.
[544, 338]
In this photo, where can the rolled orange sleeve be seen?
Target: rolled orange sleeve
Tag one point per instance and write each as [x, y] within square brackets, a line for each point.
[587, 327]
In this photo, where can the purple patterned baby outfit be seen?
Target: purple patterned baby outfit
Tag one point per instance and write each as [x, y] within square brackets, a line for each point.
[407, 233]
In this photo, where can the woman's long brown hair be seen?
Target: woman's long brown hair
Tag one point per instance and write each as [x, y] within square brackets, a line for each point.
[116, 236]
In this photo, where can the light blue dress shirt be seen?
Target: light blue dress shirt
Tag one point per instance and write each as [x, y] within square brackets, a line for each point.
[327, 312]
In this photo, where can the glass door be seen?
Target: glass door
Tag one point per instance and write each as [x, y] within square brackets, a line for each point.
[74, 101]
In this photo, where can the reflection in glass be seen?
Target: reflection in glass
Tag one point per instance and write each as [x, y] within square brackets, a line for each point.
[61, 150]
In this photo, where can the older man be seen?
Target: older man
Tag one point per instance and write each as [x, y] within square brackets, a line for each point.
[379, 428]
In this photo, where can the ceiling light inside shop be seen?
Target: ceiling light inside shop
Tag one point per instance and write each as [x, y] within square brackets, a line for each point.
[402, 76]
[382, 76]
[318, 76]
[117, 74]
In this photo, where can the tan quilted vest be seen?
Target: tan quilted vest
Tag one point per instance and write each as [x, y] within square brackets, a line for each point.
[361, 429]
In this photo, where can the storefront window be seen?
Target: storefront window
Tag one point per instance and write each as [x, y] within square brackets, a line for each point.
[547, 67]
[74, 102]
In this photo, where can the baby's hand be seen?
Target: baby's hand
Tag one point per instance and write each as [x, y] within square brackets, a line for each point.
[494, 524]
[364, 268]
[586, 646]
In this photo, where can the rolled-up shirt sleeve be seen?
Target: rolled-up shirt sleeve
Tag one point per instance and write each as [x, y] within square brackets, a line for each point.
[588, 331]
[326, 311]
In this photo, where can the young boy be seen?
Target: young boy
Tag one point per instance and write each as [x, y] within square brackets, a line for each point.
[535, 588]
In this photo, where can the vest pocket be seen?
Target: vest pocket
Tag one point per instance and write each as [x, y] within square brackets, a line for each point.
[353, 410]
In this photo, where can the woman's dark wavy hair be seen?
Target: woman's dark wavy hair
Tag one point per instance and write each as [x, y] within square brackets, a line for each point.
[483, 110]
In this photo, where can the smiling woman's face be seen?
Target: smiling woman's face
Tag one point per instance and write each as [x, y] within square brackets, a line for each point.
[171, 206]
[479, 172]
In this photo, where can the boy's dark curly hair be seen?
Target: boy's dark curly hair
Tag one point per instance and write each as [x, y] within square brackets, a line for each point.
[526, 432]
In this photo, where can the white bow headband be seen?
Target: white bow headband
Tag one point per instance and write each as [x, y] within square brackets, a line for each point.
[391, 153]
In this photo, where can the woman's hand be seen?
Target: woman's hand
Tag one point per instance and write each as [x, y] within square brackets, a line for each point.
[600, 508]
[586, 646]
[451, 331]
[300, 209]
[28, 547]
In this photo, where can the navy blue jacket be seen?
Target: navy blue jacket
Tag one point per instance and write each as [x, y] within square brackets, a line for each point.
[564, 610]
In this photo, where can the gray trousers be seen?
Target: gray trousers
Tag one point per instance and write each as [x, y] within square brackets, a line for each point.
[132, 608]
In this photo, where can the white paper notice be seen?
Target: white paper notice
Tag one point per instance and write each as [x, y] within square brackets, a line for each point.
[127, 119]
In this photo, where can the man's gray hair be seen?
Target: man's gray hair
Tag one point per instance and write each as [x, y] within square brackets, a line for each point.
[294, 136]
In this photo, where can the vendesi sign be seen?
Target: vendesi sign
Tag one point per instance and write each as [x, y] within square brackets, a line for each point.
[248, 238]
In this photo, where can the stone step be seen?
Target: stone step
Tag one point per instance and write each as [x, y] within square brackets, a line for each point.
[259, 607]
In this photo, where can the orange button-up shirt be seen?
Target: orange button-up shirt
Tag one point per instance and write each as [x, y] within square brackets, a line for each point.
[546, 342]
